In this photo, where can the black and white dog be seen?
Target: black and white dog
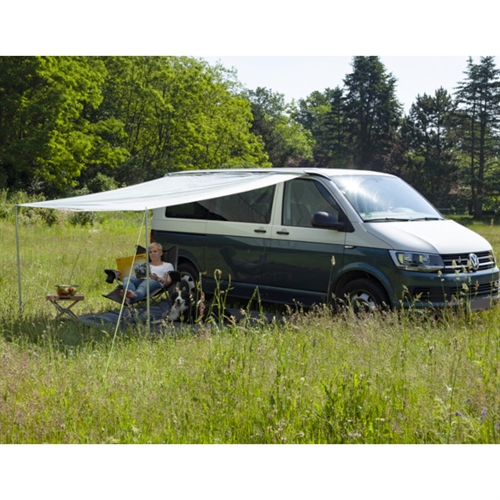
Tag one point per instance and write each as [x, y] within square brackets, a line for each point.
[183, 303]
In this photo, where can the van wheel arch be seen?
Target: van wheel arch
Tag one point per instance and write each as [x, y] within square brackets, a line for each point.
[362, 293]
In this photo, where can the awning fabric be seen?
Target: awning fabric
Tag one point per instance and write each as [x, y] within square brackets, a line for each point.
[173, 189]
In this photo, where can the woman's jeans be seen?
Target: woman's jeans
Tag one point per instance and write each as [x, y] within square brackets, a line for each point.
[139, 287]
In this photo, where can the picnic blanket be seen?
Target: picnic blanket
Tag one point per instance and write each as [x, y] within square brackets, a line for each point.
[158, 312]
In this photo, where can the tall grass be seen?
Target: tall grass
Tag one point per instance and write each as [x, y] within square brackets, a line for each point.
[314, 378]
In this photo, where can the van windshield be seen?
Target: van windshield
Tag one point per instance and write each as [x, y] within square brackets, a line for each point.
[380, 198]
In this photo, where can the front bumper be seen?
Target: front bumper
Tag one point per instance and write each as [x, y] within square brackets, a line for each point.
[478, 290]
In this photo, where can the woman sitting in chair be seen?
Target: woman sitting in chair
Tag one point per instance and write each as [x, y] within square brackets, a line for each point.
[158, 276]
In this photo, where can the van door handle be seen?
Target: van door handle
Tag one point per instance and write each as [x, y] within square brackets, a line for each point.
[260, 230]
[283, 231]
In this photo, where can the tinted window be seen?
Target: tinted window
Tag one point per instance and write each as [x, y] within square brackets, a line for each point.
[194, 210]
[252, 206]
[303, 198]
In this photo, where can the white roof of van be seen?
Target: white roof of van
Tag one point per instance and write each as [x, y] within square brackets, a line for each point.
[183, 187]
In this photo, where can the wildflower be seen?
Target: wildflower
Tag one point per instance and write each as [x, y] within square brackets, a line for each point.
[483, 413]
[458, 414]
[333, 260]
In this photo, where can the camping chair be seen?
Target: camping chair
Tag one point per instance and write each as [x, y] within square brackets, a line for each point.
[155, 296]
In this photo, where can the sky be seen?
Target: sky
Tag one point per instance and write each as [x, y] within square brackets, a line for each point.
[296, 77]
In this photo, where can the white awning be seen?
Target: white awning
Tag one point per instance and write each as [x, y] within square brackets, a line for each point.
[173, 189]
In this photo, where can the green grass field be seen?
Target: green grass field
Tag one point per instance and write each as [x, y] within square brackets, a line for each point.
[315, 378]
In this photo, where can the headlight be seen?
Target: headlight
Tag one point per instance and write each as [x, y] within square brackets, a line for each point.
[492, 257]
[411, 261]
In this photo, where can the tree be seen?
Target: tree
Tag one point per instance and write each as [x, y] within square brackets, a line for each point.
[323, 115]
[46, 137]
[372, 113]
[178, 114]
[478, 98]
[331, 150]
[429, 132]
[287, 143]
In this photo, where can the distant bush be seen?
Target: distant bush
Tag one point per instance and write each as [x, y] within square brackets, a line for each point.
[82, 218]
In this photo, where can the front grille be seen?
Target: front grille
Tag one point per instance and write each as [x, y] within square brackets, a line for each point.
[444, 294]
[454, 263]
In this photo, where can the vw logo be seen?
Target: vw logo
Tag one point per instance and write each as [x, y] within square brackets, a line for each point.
[474, 261]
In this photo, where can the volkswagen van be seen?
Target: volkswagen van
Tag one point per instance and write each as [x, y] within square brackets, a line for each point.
[364, 237]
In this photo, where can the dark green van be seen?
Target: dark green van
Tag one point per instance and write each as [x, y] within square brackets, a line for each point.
[363, 236]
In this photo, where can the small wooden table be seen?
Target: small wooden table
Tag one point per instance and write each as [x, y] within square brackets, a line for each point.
[68, 300]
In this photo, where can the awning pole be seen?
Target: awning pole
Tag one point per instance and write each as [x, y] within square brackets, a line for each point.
[18, 266]
[147, 265]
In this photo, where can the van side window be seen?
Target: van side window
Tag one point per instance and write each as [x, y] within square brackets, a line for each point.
[252, 206]
[302, 199]
[194, 210]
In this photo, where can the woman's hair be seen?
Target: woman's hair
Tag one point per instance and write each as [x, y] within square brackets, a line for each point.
[155, 245]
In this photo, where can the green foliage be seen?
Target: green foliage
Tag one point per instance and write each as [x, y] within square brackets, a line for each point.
[478, 97]
[372, 112]
[323, 116]
[65, 120]
[313, 379]
[286, 141]
[82, 218]
[355, 126]
[46, 137]
[429, 133]
[179, 114]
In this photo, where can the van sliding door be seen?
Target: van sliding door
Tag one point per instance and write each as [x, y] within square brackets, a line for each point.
[238, 239]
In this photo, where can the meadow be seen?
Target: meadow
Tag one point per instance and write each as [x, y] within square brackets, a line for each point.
[407, 377]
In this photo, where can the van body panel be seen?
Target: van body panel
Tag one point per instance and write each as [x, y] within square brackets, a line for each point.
[242, 259]
[443, 237]
[191, 245]
[362, 236]
[375, 262]
[305, 265]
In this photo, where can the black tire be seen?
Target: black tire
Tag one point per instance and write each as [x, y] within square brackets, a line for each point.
[364, 296]
[189, 273]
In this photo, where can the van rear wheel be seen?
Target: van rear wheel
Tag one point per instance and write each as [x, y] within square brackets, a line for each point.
[189, 273]
[364, 296]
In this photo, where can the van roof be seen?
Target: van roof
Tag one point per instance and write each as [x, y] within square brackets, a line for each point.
[324, 172]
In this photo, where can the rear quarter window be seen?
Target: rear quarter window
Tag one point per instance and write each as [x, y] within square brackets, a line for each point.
[251, 206]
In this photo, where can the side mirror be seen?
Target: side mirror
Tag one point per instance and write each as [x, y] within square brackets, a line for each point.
[326, 220]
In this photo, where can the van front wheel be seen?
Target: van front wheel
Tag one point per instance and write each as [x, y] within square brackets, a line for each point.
[364, 296]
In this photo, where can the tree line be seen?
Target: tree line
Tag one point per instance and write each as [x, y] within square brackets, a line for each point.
[72, 125]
